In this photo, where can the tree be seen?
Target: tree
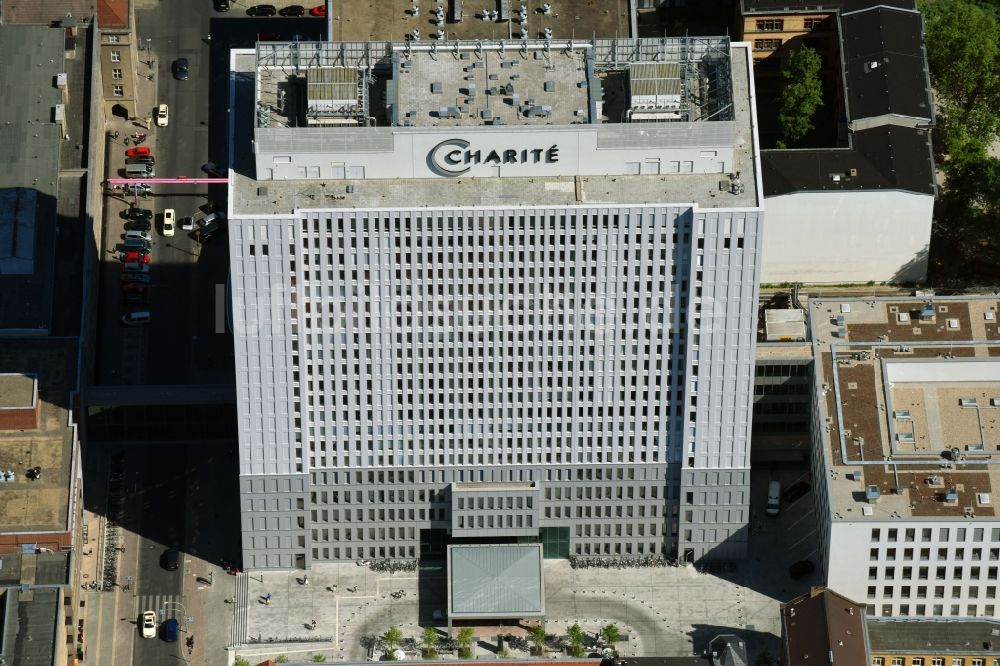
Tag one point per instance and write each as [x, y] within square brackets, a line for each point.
[429, 639]
[465, 639]
[538, 637]
[281, 659]
[611, 635]
[801, 95]
[963, 52]
[392, 639]
[240, 661]
[318, 658]
[575, 634]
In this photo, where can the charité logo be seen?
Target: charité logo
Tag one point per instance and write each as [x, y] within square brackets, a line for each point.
[453, 157]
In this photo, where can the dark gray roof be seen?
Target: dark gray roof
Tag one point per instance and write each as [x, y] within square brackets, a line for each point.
[889, 157]
[813, 7]
[975, 637]
[884, 61]
[495, 581]
[29, 626]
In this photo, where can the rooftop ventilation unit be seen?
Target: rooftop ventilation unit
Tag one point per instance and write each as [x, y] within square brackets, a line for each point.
[967, 403]
[872, 494]
[927, 312]
[543, 111]
[951, 495]
[449, 112]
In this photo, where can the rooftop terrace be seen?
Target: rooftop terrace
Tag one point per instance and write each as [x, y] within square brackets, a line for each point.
[911, 399]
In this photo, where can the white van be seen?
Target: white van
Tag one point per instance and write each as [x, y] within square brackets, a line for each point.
[169, 219]
[136, 318]
[774, 498]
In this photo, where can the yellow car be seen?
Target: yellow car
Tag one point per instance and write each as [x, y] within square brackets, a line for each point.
[161, 115]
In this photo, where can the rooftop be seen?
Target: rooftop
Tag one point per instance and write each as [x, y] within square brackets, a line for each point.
[939, 637]
[393, 20]
[495, 582]
[30, 141]
[29, 624]
[17, 390]
[888, 104]
[708, 190]
[823, 626]
[40, 505]
[112, 13]
[908, 393]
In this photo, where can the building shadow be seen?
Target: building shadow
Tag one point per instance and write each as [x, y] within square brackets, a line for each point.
[757, 642]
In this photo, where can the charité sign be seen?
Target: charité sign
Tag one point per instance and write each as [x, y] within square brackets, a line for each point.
[454, 157]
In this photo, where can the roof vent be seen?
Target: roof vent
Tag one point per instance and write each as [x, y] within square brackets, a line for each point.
[951, 495]
[872, 494]
[870, 65]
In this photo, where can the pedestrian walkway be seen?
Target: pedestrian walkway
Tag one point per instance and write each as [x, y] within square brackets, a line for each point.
[165, 606]
[240, 602]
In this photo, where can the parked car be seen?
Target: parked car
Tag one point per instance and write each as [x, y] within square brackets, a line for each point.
[180, 67]
[138, 151]
[135, 267]
[318, 10]
[162, 115]
[168, 222]
[221, 5]
[149, 624]
[142, 189]
[187, 223]
[262, 10]
[140, 225]
[801, 569]
[213, 170]
[208, 227]
[136, 278]
[134, 256]
[134, 293]
[795, 491]
[292, 10]
[136, 213]
[134, 245]
[142, 159]
[170, 630]
[136, 318]
[171, 559]
[138, 235]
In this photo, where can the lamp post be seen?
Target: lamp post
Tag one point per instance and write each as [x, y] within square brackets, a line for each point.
[149, 56]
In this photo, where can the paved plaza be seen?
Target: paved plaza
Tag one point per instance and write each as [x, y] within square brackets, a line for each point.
[670, 611]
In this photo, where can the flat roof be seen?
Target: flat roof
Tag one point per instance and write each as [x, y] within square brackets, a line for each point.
[17, 391]
[41, 505]
[31, 628]
[944, 636]
[393, 20]
[250, 197]
[495, 582]
[908, 388]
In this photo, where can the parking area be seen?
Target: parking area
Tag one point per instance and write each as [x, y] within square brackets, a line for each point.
[670, 611]
[790, 537]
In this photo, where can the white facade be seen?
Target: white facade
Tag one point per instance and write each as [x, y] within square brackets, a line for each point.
[832, 237]
[586, 360]
[935, 568]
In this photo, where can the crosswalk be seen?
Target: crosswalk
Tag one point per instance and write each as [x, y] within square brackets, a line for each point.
[165, 606]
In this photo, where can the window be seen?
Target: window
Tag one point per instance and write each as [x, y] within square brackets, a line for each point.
[119, 91]
[116, 56]
[937, 661]
[878, 661]
[116, 73]
[957, 661]
[917, 661]
[898, 661]
[811, 23]
[766, 44]
[770, 25]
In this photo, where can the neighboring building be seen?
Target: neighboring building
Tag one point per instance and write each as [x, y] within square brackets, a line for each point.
[480, 293]
[906, 429]
[43, 128]
[860, 210]
[823, 625]
[119, 58]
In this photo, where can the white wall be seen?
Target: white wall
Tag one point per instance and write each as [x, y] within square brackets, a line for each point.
[834, 237]
[969, 560]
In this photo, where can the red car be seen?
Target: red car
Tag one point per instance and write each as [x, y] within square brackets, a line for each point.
[129, 257]
[318, 10]
[138, 151]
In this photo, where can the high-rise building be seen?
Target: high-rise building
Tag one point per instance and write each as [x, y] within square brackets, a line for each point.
[494, 291]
